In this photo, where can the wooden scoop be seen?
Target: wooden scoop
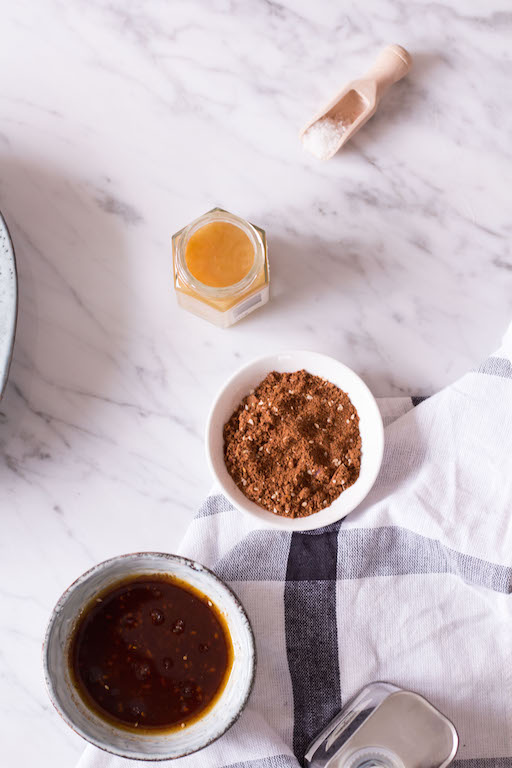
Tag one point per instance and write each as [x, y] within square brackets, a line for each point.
[355, 104]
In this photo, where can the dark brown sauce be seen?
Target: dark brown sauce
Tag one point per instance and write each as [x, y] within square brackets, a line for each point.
[151, 653]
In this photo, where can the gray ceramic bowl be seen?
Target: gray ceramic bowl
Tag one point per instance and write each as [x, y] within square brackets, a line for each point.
[8, 302]
[147, 746]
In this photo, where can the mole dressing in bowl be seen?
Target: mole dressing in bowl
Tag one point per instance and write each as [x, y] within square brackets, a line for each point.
[151, 653]
[75, 609]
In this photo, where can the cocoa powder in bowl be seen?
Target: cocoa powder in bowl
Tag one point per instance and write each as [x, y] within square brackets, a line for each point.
[293, 444]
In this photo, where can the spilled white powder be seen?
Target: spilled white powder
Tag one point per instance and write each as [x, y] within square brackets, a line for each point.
[323, 137]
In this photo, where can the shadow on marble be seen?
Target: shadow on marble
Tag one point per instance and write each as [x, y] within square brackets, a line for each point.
[398, 104]
[370, 298]
[297, 270]
[74, 306]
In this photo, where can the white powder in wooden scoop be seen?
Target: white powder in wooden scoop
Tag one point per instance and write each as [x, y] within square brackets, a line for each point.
[323, 137]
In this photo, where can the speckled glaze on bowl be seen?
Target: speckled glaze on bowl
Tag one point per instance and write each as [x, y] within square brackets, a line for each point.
[131, 744]
[8, 302]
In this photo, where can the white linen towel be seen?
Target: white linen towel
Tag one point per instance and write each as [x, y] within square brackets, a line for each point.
[412, 588]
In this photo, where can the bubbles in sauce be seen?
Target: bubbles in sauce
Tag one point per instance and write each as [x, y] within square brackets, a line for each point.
[151, 653]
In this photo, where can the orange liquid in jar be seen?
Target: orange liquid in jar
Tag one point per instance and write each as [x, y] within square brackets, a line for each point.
[219, 254]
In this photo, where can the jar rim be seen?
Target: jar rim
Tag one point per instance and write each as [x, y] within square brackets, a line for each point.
[210, 291]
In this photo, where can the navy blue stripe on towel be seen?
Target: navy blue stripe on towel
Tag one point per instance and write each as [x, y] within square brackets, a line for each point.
[311, 633]
[496, 366]
[417, 400]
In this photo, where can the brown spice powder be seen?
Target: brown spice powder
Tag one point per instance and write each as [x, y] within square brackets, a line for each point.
[293, 445]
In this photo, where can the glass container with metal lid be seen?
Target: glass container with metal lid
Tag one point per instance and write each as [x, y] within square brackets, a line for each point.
[385, 727]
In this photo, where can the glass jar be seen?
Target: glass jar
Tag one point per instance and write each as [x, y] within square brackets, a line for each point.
[385, 727]
[226, 304]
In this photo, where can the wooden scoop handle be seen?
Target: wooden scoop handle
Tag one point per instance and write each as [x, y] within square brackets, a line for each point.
[391, 65]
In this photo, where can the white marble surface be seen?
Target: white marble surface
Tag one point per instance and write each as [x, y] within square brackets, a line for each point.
[120, 122]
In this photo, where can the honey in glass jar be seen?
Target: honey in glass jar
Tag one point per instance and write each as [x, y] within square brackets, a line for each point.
[221, 267]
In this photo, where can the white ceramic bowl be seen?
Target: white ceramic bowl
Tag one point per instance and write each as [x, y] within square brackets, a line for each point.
[147, 746]
[370, 425]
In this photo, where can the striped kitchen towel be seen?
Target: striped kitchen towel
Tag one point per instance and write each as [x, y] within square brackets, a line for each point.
[412, 588]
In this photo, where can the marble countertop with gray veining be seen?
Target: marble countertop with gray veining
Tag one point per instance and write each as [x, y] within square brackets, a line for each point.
[123, 121]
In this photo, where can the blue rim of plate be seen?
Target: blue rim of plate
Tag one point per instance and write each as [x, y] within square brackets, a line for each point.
[8, 302]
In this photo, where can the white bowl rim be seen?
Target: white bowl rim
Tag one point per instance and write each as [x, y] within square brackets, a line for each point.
[149, 555]
[267, 519]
